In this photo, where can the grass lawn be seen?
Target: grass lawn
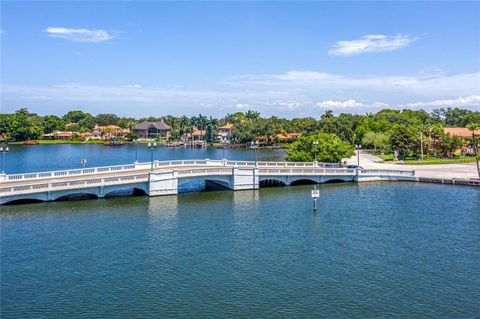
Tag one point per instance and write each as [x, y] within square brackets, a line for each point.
[427, 160]
[433, 160]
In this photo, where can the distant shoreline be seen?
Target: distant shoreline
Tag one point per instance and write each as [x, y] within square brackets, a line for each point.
[100, 142]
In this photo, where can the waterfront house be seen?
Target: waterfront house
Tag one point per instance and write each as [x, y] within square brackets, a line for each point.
[148, 129]
[225, 133]
[86, 136]
[65, 135]
[286, 137]
[96, 133]
[113, 131]
[462, 132]
[278, 138]
[465, 134]
[108, 132]
[196, 135]
[195, 138]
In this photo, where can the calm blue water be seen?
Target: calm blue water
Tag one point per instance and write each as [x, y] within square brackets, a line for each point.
[35, 158]
[376, 250]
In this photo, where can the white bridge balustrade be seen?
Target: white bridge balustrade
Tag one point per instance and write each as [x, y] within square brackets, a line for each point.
[164, 177]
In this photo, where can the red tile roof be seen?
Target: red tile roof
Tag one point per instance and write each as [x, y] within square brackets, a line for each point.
[227, 126]
[460, 131]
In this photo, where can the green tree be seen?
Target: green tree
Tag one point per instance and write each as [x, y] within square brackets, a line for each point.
[52, 123]
[474, 127]
[76, 116]
[25, 125]
[377, 140]
[448, 143]
[106, 119]
[402, 139]
[130, 136]
[329, 148]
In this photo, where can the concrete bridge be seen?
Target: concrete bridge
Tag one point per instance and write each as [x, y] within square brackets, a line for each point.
[164, 178]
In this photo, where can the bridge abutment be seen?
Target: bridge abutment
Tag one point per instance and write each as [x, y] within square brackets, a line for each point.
[245, 178]
[163, 183]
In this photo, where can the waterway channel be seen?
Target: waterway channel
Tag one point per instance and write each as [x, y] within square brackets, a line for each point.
[387, 249]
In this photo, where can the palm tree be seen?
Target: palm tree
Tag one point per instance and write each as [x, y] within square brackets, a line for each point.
[473, 127]
[184, 125]
[252, 115]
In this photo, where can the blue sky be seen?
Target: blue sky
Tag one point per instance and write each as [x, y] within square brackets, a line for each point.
[280, 58]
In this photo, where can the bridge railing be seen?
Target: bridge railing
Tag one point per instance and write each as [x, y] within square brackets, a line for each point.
[32, 188]
[71, 172]
[389, 172]
[205, 171]
[159, 165]
[306, 171]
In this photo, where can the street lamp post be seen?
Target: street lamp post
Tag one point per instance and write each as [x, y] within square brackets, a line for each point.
[83, 161]
[315, 143]
[255, 146]
[358, 147]
[135, 141]
[3, 151]
[152, 147]
[421, 145]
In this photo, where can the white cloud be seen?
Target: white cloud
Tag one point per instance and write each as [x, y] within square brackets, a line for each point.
[468, 101]
[436, 85]
[79, 35]
[138, 101]
[290, 94]
[371, 43]
[340, 104]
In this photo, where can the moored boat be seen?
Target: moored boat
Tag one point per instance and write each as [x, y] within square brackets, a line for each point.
[30, 142]
[113, 143]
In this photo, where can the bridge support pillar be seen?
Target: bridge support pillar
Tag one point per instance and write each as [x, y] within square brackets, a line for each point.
[245, 178]
[163, 183]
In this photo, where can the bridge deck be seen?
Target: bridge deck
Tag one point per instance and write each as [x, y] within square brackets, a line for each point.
[163, 177]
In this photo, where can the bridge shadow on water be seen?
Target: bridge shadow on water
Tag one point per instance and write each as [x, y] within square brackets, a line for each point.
[128, 192]
[196, 186]
[23, 202]
[189, 186]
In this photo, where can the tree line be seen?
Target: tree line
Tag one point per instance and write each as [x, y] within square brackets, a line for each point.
[388, 130]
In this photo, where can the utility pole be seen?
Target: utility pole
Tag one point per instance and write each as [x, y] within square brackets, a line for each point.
[421, 145]
[152, 147]
[358, 147]
[135, 141]
[3, 151]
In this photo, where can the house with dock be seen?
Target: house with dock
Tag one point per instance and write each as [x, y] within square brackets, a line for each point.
[196, 138]
[153, 130]
[465, 134]
[225, 133]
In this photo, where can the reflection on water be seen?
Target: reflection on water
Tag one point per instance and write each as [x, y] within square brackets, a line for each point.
[371, 250]
[34, 158]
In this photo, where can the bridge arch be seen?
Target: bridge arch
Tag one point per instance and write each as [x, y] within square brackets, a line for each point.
[201, 183]
[127, 191]
[271, 182]
[303, 181]
[76, 196]
[335, 180]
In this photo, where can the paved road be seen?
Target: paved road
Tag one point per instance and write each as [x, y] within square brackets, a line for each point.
[463, 170]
